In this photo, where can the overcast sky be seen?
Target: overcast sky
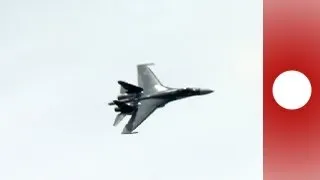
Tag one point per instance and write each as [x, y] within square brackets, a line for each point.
[59, 64]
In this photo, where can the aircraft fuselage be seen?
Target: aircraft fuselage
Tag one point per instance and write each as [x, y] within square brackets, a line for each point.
[169, 95]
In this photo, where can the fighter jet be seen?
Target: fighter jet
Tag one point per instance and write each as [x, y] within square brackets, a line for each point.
[150, 94]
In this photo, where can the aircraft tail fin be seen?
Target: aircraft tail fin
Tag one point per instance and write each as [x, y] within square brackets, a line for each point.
[148, 80]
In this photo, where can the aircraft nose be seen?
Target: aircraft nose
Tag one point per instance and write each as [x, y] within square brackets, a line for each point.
[205, 91]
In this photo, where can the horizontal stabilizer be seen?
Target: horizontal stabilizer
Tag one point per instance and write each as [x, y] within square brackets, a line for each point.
[119, 118]
[129, 88]
[146, 64]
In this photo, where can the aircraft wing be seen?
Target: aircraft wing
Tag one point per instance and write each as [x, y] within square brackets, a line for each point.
[148, 80]
[145, 109]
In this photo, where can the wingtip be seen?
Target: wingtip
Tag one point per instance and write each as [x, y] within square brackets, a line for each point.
[146, 64]
[134, 132]
[127, 131]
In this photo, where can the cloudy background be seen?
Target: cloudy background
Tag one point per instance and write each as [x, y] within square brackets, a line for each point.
[59, 63]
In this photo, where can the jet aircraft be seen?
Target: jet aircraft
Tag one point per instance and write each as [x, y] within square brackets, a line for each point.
[141, 101]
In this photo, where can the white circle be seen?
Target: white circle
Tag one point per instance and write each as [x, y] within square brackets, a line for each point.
[292, 90]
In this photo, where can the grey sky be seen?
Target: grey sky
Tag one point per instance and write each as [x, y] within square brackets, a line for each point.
[59, 63]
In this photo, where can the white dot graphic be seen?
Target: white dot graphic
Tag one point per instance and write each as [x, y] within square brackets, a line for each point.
[292, 90]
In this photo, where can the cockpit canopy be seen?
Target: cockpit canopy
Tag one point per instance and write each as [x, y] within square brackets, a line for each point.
[190, 90]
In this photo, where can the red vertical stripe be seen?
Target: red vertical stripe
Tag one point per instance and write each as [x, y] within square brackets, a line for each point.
[291, 42]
